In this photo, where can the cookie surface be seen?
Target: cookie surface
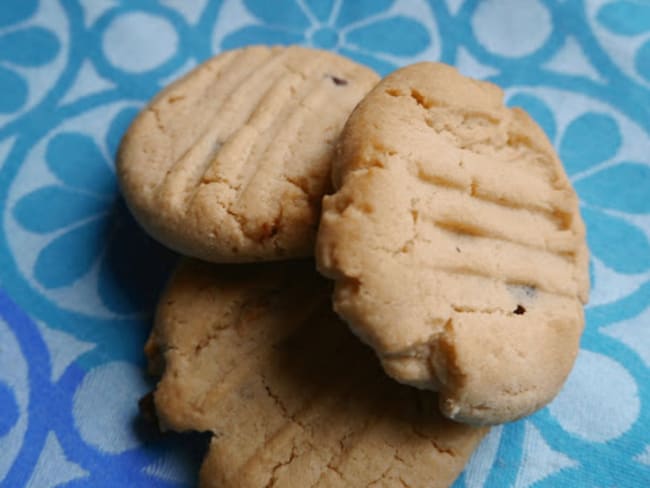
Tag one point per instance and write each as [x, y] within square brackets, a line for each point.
[229, 164]
[456, 244]
[256, 355]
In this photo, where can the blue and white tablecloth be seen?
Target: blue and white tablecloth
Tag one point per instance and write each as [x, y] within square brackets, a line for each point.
[78, 280]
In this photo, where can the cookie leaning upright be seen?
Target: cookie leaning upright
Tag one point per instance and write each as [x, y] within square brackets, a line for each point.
[456, 244]
[230, 163]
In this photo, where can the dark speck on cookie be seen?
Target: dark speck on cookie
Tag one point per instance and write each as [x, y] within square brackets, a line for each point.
[520, 310]
[338, 81]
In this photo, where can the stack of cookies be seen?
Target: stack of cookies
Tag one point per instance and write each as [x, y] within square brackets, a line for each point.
[446, 237]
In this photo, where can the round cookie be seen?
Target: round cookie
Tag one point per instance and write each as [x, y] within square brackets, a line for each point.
[229, 164]
[256, 355]
[456, 244]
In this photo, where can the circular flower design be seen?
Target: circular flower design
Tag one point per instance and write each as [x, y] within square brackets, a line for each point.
[21, 47]
[497, 22]
[629, 19]
[90, 226]
[138, 42]
[612, 192]
[362, 30]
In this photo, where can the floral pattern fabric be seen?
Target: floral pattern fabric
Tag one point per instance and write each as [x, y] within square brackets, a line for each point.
[79, 279]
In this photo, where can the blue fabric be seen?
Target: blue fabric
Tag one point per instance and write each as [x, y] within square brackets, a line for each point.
[78, 279]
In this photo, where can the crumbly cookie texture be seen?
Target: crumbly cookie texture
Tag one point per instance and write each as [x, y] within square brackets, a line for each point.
[256, 355]
[456, 244]
[229, 164]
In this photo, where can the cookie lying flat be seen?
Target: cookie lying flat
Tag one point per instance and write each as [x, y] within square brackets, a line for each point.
[456, 244]
[229, 163]
[256, 355]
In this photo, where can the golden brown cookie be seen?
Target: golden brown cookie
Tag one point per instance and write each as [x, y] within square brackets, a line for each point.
[456, 244]
[255, 355]
[229, 164]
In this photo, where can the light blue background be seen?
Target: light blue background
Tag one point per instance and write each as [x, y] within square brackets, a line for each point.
[78, 280]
